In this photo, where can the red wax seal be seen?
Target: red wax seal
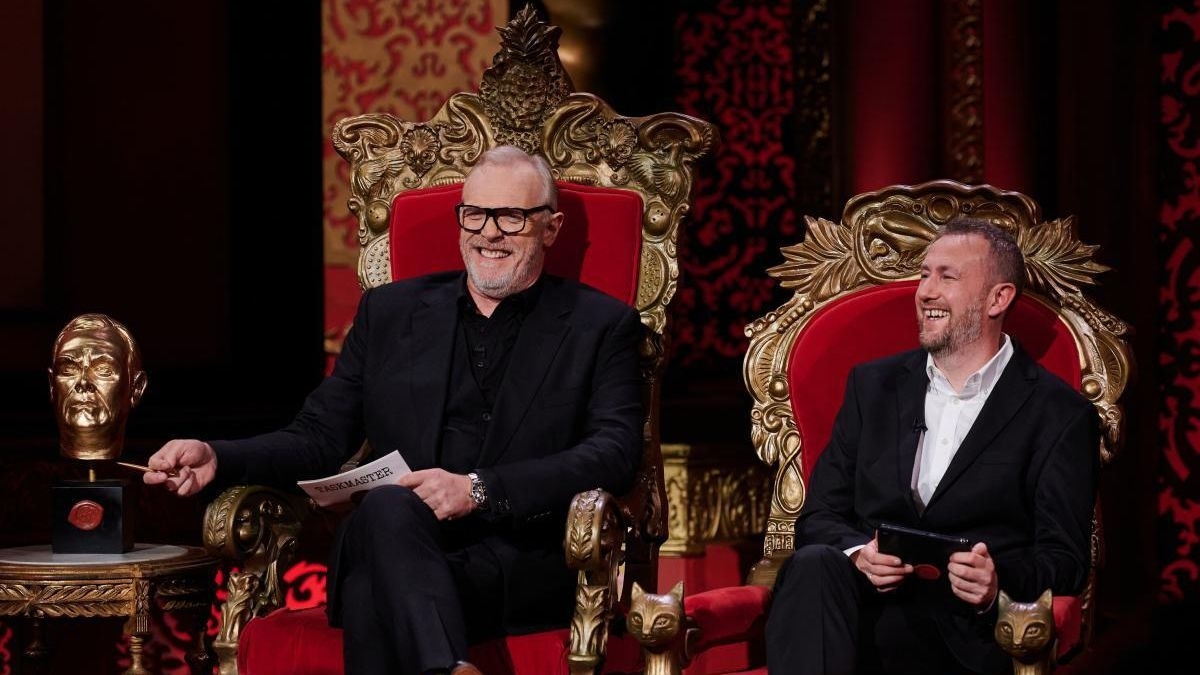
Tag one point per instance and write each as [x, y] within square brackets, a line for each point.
[86, 515]
[927, 572]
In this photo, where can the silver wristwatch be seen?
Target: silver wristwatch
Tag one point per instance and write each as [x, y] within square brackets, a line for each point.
[478, 492]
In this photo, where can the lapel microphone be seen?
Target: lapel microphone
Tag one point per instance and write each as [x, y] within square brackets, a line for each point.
[919, 425]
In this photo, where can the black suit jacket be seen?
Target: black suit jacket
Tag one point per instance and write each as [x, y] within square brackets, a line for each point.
[567, 418]
[1023, 481]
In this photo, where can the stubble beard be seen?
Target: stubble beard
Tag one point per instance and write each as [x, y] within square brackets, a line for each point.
[505, 284]
[961, 332]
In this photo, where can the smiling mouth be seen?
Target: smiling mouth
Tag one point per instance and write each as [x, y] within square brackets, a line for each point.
[932, 314]
[492, 253]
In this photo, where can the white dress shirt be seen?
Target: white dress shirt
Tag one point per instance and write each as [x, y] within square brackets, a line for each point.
[949, 415]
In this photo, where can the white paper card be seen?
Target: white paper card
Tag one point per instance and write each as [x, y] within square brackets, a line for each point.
[338, 489]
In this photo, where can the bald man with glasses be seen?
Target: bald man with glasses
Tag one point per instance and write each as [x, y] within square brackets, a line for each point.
[506, 390]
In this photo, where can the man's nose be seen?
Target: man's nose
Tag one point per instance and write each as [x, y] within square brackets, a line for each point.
[83, 385]
[491, 228]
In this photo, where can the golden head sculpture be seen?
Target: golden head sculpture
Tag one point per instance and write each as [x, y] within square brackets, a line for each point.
[96, 378]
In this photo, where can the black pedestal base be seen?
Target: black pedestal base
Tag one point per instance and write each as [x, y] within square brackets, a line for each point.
[90, 517]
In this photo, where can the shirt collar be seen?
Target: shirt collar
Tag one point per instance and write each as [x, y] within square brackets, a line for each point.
[981, 381]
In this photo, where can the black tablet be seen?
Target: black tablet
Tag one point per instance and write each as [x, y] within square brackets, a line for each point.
[927, 552]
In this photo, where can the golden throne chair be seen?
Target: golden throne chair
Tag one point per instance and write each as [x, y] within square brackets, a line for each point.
[853, 284]
[625, 186]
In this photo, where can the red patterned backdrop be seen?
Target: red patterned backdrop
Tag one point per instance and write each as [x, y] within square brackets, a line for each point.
[1179, 340]
[734, 67]
[403, 58]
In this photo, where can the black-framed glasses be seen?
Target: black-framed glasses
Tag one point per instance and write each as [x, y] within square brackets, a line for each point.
[510, 219]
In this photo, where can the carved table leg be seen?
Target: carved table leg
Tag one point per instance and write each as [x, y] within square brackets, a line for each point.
[35, 653]
[201, 660]
[137, 644]
[138, 627]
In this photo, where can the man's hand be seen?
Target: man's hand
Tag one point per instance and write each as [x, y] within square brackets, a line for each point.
[885, 572]
[448, 494]
[194, 462]
[973, 576]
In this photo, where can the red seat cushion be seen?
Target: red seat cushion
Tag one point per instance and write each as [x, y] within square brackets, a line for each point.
[1068, 623]
[600, 242]
[729, 614]
[301, 642]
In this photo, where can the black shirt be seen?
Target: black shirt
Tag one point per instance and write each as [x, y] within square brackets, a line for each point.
[482, 349]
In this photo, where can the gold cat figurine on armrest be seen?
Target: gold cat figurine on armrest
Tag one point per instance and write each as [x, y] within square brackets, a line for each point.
[666, 634]
[1025, 631]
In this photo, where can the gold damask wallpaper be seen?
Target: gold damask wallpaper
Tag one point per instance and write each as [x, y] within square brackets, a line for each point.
[403, 57]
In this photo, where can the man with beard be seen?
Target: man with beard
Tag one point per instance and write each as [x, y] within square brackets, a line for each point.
[507, 391]
[96, 377]
[967, 436]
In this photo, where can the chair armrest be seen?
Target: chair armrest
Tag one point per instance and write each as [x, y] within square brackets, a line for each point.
[252, 529]
[726, 615]
[593, 547]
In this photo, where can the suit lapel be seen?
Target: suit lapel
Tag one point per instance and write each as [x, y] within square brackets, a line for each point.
[1009, 395]
[537, 344]
[910, 406]
[432, 345]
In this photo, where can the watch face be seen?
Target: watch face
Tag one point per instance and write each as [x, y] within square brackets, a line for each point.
[478, 491]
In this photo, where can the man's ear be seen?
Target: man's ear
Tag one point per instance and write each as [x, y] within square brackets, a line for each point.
[139, 386]
[1000, 299]
[550, 232]
[50, 382]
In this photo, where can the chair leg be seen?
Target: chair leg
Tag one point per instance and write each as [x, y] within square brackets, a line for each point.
[237, 609]
[589, 627]
[593, 547]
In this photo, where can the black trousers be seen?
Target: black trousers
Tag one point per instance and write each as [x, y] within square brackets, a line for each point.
[409, 591]
[827, 619]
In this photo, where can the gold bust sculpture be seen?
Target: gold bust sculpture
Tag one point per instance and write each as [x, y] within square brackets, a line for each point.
[96, 378]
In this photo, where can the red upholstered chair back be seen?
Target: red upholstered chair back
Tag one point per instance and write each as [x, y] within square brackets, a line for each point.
[600, 243]
[854, 285]
[837, 338]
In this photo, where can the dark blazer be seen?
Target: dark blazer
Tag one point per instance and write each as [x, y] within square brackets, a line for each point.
[1023, 481]
[567, 418]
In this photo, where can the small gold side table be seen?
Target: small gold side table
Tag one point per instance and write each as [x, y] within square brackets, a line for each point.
[36, 583]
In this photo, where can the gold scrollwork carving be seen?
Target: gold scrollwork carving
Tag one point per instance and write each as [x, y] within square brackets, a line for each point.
[711, 498]
[256, 528]
[526, 99]
[882, 237]
[589, 628]
[593, 546]
[65, 600]
[821, 266]
[182, 593]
